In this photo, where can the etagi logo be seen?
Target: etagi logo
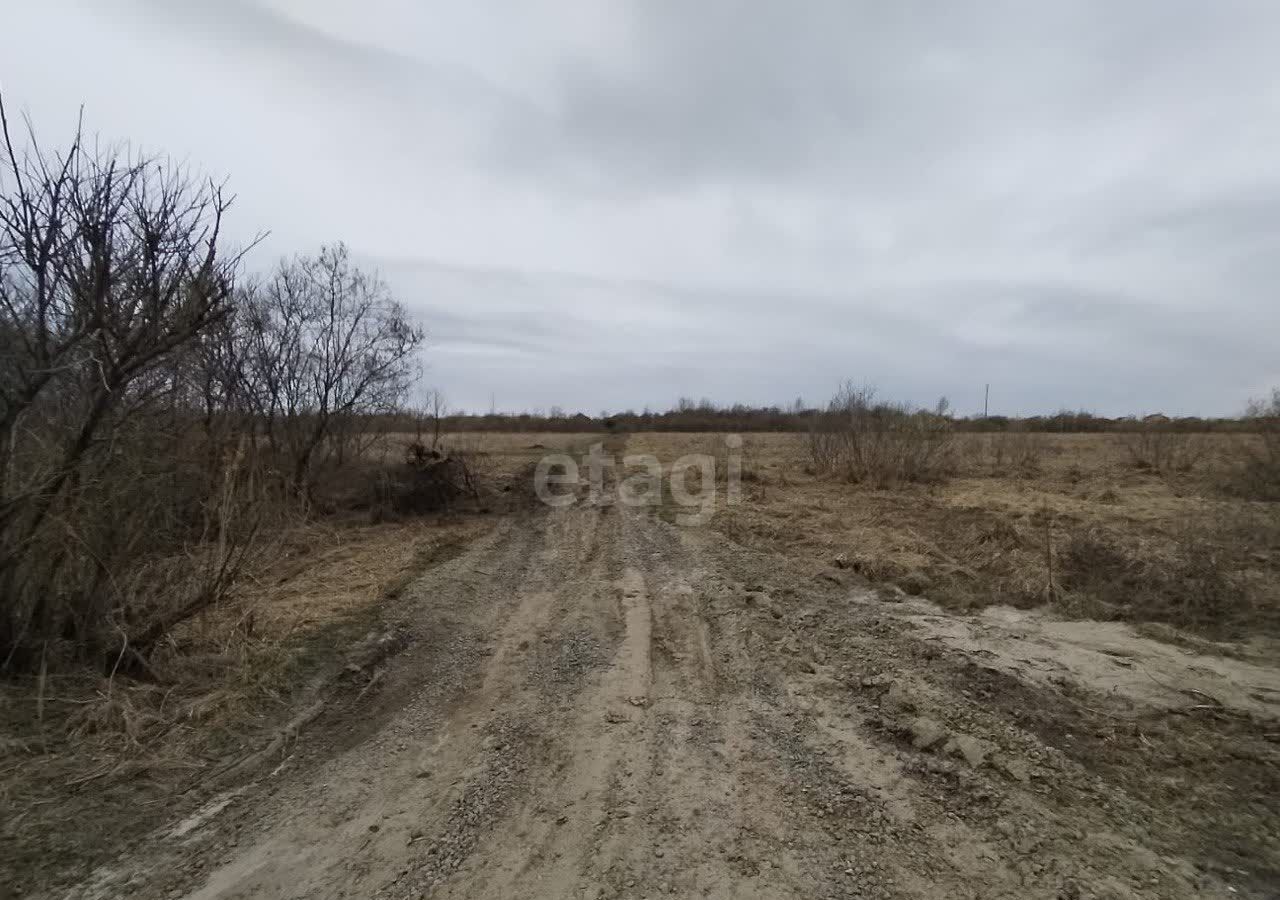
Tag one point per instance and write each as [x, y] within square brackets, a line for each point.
[692, 481]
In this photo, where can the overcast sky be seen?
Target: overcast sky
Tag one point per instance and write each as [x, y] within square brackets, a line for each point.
[599, 204]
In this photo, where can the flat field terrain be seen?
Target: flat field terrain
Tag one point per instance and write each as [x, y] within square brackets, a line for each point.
[1053, 673]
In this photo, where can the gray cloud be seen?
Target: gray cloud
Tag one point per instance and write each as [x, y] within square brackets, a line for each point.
[610, 204]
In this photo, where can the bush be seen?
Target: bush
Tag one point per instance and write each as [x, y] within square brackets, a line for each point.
[1256, 474]
[1157, 447]
[1015, 450]
[111, 274]
[881, 444]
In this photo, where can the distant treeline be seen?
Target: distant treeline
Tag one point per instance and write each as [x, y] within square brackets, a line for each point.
[707, 417]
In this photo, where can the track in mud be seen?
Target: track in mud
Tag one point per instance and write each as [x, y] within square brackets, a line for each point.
[597, 703]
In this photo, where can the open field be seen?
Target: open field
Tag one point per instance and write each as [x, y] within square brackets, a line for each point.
[1068, 521]
[1052, 673]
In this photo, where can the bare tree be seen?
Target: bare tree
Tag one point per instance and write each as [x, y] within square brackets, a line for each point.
[327, 344]
[428, 418]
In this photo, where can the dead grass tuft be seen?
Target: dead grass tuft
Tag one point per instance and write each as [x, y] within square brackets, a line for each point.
[1190, 581]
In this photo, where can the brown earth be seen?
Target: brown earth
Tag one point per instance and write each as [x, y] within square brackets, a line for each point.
[595, 702]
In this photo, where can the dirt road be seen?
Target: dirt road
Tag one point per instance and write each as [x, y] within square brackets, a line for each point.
[597, 703]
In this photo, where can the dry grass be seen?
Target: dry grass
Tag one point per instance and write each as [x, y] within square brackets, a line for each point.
[218, 678]
[1122, 541]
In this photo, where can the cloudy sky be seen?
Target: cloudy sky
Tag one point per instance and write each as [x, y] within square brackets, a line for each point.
[598, 204]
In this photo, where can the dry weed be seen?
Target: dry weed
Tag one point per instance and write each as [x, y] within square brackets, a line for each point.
[1158, 448]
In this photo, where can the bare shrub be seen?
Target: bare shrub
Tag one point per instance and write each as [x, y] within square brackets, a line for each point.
[1158, 447]
[428, 417]
[1016, 450]
[1255, 474]
[826, 443]
[881, 444]
[111, 271]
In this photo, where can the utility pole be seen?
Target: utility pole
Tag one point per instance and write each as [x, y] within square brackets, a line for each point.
[986, 397]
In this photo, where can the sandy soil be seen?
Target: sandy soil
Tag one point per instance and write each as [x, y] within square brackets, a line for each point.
[594, 702]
